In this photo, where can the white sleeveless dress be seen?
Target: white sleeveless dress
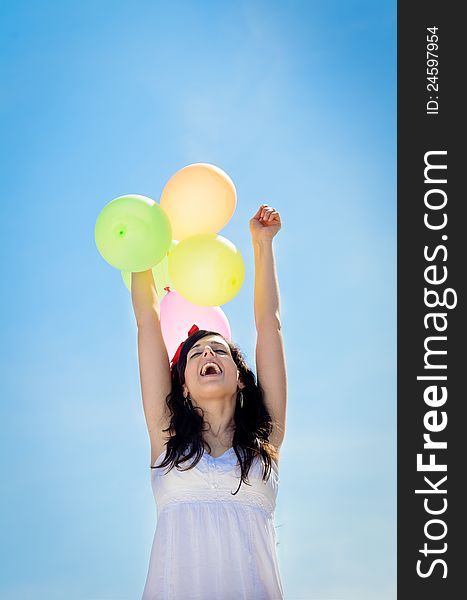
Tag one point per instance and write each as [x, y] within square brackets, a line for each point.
[208, 543]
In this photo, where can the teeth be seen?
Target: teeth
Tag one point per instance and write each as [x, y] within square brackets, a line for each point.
[210, 364]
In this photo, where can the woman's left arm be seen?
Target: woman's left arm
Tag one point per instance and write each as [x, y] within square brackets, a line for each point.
[270, 356]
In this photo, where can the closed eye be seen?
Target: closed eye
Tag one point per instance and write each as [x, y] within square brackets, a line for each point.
[198, 353]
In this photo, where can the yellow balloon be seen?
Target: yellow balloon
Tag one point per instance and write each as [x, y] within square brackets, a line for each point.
[206, 269]
[200, 198]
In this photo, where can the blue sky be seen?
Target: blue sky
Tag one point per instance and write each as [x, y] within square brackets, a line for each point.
[296, 101]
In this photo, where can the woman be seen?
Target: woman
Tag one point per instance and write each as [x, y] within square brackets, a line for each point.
[215, 438]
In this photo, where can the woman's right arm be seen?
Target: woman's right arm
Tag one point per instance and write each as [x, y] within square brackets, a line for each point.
[153, 358]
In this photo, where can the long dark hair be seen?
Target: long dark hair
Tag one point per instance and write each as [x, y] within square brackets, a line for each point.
[253, 423]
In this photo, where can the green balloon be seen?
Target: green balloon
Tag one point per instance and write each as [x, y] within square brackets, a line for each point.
[160, 273]
[133, 233]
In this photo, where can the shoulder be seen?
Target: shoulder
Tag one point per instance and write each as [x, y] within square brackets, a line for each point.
[275, 454]
[159, 443]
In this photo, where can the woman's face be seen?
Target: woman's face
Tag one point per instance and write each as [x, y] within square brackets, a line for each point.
[210, 384]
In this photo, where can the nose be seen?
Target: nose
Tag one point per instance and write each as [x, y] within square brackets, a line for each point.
[206, 349]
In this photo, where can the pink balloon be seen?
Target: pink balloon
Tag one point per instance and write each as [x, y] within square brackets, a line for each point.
[178, 315]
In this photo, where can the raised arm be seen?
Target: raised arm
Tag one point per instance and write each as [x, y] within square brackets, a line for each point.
[153, 359]
[270, 355]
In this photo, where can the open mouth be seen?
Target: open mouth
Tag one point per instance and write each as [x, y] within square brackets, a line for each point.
[210, 369]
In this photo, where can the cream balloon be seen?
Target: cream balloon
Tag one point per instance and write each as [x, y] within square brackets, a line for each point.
[200, 198]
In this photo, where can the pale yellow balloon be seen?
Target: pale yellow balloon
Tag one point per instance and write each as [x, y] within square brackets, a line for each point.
[206, 269]
[200, 198]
